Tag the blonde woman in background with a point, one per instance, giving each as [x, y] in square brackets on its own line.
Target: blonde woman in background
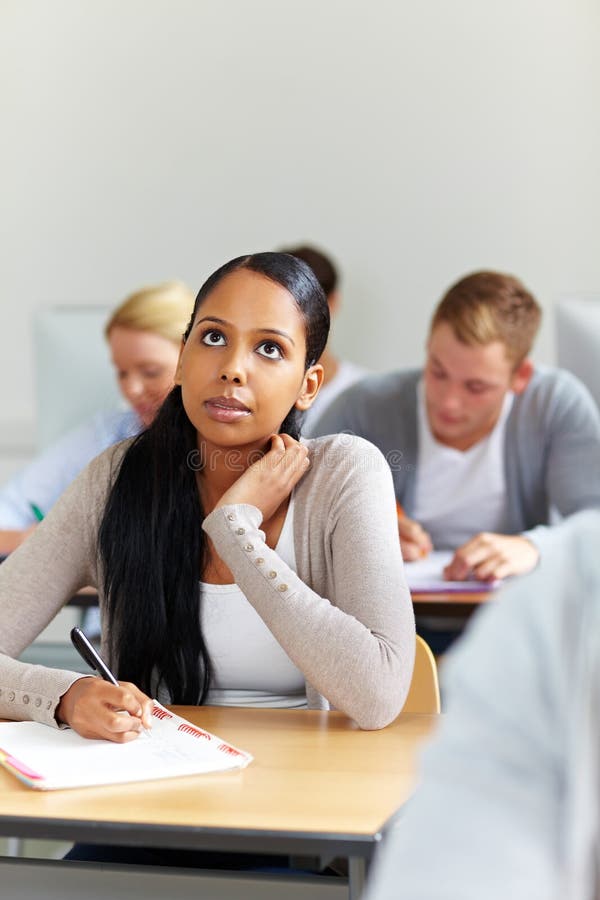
[144, 335]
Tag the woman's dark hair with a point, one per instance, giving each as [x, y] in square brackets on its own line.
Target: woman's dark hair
[151, 544]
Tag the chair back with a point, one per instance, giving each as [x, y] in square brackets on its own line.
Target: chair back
[73, 372]
[577, 319]
[424, 692]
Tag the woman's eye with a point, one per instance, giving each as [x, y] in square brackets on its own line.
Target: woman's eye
[270, 350]
[213, 338]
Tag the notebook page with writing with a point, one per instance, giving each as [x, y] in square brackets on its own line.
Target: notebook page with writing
[426, 576]
[46, 758]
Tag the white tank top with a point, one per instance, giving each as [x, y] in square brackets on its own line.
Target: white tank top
[250, 668]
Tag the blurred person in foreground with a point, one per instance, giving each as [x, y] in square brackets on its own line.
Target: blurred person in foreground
[508, 802]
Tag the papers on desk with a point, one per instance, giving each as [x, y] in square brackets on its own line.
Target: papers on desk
[426, 576]
[47, 758]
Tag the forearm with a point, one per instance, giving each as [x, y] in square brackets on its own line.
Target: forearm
[35, 583]
[31, 692]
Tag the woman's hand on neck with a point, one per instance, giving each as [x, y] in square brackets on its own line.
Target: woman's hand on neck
[265, 483]
[222, 467]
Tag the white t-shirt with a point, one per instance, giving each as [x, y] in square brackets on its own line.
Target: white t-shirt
[460, 492]
[250, 667]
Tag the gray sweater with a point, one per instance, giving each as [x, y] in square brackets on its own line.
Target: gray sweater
[551, 449]
[344, 618]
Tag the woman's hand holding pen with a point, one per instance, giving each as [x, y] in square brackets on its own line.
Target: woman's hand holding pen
[95, 709]
[271, 479]
[414, 540]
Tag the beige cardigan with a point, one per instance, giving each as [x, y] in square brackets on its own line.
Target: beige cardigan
[344, 618]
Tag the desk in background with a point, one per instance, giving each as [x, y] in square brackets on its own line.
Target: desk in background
[318, 786]
[450, 605]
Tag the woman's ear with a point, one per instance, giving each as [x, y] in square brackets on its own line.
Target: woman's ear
[313, 379]
[177, 378]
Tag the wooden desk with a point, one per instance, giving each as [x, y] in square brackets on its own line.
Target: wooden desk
[85, 598]
[451, 604]
[317, 786]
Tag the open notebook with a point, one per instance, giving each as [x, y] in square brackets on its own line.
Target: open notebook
[46, 758]
[426, 576]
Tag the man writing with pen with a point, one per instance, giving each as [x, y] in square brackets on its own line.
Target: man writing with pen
[482, 445]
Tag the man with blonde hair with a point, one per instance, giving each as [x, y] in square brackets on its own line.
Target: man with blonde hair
[482, 444]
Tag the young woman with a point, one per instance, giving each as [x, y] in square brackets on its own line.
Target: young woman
[234, 564]
[144, 336]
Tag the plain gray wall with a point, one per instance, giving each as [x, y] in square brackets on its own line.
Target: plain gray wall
[151, 139]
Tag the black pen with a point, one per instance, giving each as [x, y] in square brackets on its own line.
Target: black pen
[90, 655]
